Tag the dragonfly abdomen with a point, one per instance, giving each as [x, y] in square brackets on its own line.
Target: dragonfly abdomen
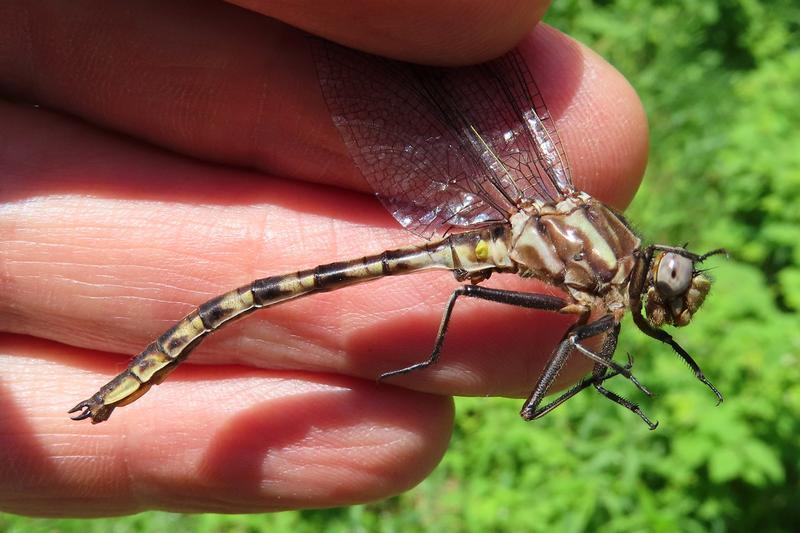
[467, 252]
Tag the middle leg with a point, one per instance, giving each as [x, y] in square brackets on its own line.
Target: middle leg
[519, 299]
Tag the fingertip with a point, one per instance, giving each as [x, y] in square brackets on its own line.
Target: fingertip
[600, 118]
[449, 32]
[611, 147]
[225, 439]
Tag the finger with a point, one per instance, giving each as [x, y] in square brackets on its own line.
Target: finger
[110, 265]
[248, 441]
[449, 32]
[225, 85]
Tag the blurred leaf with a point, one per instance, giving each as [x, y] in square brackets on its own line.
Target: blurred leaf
[725, 465]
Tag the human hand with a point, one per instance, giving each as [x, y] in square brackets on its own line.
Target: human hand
[127, 203]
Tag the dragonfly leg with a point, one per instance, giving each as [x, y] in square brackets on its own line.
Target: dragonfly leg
[599, 375]
[530, 409]
[559, 358]
[616, 398]
[683, 354]
[609, 363]
[666, 338]
[519, 299]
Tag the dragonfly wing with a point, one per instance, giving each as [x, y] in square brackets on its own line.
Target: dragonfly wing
[505, 104]
[444, 148]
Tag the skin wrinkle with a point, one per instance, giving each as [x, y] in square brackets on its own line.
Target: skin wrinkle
[71, 281]
[192, 278]
[339, 463]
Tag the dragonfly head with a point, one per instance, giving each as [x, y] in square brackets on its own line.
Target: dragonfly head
[676, 287]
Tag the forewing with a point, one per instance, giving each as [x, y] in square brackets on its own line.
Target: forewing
[504, 103]
[444, 148]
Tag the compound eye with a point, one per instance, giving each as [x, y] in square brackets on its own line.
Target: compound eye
[674, 274]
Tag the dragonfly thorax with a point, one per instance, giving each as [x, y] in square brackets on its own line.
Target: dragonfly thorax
[577, 244]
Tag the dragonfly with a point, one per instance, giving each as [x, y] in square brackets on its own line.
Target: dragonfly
[469, 160]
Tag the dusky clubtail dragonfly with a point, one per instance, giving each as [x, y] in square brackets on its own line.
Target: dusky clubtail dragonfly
[471, 149]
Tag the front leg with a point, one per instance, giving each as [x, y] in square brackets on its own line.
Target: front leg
[603, 362]
[666, 338]
[599, 375]
[530, 409]
[519, 299]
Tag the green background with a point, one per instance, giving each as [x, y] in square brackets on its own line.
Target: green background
[721, 84]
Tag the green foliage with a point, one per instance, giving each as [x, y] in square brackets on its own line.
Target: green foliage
[720, 83]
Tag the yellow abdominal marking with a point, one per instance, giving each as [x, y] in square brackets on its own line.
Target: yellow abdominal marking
[128, 386]
[150, 364]
[482, 250]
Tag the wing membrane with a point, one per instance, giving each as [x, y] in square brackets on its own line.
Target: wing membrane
[444, 148]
